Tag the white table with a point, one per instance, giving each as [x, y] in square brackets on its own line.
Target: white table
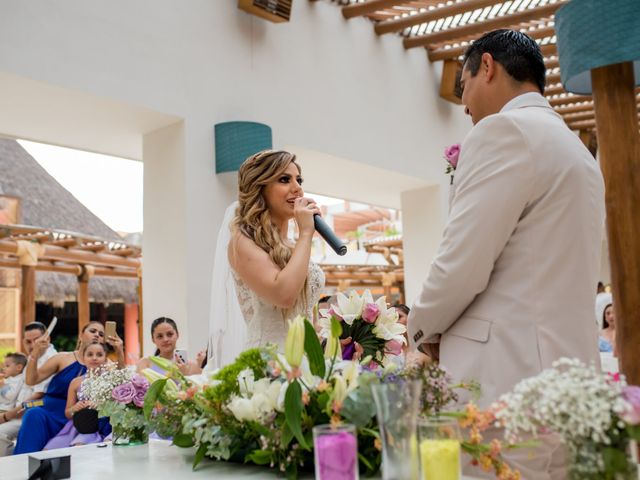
[156, 461]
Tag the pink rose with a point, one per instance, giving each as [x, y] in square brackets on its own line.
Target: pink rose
[124, 393]
[451, 154]
[138, 399]
[393, 347]
[140, 383]
[370, 312]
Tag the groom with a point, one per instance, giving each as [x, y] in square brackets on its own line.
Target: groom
[512, 286]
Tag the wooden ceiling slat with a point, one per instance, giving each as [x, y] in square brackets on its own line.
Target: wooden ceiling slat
[476, 28]
[399, 24]
[551, 62]
[554, 90]
[366, 8]
[553, 78]
[547, 49]
[569, 100]
[574, 108]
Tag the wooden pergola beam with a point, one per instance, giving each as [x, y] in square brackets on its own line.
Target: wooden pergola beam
[469, 30]
[60, 254]
[367, 8]
[72, 269]
[398, 24]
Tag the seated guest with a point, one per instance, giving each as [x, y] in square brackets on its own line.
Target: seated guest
[164, 334]
[606, 318]
[11, 380]
[40, 424]
[11, 420]
[94, 355]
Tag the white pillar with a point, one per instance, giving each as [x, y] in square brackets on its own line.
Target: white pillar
[164, 274]
[422, 225]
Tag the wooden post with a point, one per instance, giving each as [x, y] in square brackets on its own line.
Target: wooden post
[28, 298]
[84, 309]
[619, 147]
[450, 83]
[131, 333]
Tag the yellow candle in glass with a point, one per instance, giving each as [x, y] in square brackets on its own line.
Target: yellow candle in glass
[440, 459]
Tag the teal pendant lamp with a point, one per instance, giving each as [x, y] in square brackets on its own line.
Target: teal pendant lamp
[596, 33]
[235, 141]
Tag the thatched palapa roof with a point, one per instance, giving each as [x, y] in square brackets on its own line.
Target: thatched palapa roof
[47, 204]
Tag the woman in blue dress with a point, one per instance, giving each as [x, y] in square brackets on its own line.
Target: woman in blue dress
[41, 424]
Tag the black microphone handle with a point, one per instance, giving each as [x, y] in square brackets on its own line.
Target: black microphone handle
[325, 232]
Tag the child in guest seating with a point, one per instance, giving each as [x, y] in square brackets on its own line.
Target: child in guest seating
[11, 380]
[94, 356]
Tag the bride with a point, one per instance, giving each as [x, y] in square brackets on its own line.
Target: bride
[270, 279]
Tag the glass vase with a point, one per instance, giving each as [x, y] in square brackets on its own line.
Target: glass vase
[335, 452]
[397, 411]
[439, 448]
[129, 436]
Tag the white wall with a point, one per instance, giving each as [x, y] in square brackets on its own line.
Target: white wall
[320, 82]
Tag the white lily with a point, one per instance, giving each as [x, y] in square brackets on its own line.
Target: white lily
[351, 372]
[294, 343]
[387, 326]
[350, 308]
[246, 382]
[242, 409]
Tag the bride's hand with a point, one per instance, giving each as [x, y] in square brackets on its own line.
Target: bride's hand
[303, 210]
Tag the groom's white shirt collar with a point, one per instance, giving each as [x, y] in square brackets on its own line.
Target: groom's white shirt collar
[529, 99]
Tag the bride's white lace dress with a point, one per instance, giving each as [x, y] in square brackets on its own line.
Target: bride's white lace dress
[265, 322]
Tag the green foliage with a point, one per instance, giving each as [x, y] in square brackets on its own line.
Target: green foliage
[152, 396]
[359, 407]
[313, 349]
[362, 332]
[293, 411]
[4, 351]
[64, 343]
[228, 375]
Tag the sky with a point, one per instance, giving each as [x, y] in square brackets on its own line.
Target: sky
[110, 187]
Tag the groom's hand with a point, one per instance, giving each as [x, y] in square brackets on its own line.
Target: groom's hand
[431, 349]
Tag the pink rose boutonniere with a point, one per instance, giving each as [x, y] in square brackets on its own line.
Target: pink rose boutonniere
[451, 155]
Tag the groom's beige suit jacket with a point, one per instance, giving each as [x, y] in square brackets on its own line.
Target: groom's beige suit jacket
[513, 284]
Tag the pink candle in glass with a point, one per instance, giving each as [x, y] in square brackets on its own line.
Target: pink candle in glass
[336, 453]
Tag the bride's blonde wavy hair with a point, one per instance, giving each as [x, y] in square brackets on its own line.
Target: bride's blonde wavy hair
[253, 218]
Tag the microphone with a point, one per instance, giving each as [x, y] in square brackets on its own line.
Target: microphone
[329, 236]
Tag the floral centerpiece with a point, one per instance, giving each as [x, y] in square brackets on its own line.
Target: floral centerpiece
[119, 394]
[261, 409]
[369, 328]
[596, 415]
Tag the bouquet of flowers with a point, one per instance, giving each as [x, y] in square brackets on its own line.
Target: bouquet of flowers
[597, 415]
[369, 328]
[261, 409]
[119, 394]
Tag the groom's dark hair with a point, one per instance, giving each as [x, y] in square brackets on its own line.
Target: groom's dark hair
[517, 52]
